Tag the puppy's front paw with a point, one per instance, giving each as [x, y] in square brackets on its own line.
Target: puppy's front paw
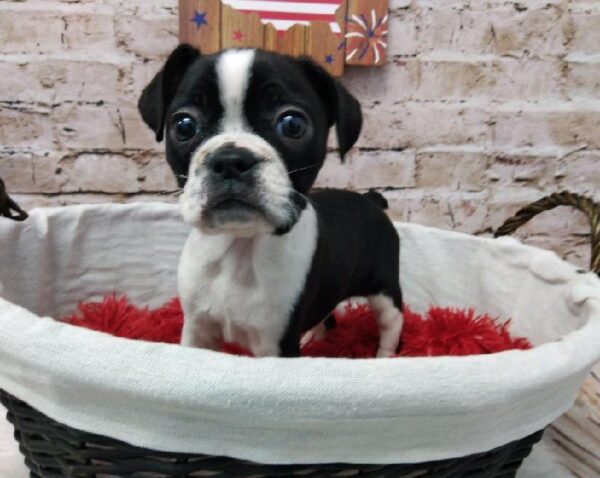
[382, 353]
[201, 335]
[188, 340]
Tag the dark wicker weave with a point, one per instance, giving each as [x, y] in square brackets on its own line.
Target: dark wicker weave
[54, 450]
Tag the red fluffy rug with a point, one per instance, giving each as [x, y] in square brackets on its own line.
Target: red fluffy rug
[443, 331]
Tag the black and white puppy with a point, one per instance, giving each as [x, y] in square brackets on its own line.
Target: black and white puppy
[246, 133]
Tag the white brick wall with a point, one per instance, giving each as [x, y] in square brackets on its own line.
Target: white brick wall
[483, 107]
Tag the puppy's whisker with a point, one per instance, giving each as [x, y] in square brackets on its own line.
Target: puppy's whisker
[303, 196]
[302, 169]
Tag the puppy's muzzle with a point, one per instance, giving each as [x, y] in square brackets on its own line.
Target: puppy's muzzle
[232, 178]
[238, 184]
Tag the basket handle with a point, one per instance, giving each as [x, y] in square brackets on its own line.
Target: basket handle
[8, 207]
[565, 198]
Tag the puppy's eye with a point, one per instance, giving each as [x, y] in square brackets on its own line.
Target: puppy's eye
[291, 125]
[185, 127]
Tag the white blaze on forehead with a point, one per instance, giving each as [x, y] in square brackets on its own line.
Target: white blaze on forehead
[233, 71]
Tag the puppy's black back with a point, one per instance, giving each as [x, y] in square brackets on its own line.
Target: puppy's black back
[357, 242]
[357, 254]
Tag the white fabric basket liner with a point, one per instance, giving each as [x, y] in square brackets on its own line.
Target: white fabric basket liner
[307, 410]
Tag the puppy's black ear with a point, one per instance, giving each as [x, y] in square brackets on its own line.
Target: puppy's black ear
[157, 96]
[342, 108]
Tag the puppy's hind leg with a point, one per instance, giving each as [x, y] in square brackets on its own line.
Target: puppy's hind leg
[390, 320]
[319, 331]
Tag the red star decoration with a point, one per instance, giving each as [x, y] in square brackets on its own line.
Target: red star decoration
[238, 35]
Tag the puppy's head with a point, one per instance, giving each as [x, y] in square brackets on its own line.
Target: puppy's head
[246, 133]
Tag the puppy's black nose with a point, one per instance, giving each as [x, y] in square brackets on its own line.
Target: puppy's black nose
[231, 163]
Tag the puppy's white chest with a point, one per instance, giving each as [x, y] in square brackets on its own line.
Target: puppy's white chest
[246, 286]
[219, 278]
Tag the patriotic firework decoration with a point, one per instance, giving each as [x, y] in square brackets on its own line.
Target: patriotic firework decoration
[366, 38]
[334, 33]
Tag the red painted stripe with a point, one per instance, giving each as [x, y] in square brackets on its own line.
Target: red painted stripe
[335, 2]
[291, 16]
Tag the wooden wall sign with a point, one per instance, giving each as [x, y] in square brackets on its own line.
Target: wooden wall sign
[334, 33]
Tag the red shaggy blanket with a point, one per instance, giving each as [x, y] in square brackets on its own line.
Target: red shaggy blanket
[443, 331]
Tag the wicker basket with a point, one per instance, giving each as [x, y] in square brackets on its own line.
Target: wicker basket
[52, 449]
